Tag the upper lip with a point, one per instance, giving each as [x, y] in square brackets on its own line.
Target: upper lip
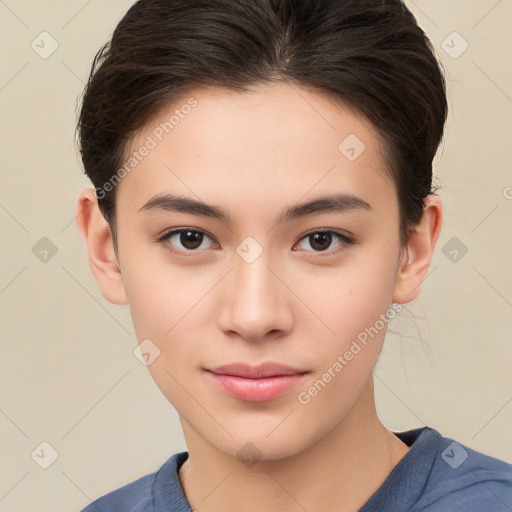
[269, 369]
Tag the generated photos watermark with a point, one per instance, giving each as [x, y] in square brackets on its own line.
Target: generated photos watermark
[357, 345]
[151, 142]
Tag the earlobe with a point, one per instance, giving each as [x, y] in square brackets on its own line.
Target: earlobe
[416, 256]
[97, 237]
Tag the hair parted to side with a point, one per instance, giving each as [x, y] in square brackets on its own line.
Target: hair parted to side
[370, 54]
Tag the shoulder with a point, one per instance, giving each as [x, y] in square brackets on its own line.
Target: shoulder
[137, 496]
[463, 479]
[133, 497]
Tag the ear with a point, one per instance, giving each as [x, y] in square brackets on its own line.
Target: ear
[416, 256]
[97, 236]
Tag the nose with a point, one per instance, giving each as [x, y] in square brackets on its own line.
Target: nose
[255, 302]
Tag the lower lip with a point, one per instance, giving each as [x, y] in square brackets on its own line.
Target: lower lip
[256, 390]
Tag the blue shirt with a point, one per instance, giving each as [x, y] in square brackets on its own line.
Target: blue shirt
[437, 474]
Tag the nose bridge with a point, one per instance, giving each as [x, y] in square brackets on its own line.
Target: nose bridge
[253, 279]
[253, 303]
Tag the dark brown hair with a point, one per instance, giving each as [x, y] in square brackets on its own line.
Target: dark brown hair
[370, 54]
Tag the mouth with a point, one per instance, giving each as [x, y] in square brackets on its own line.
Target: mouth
[256, 383]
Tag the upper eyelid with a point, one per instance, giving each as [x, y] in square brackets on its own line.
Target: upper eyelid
[174, 231]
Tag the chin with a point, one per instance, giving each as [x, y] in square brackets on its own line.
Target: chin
[259, 445]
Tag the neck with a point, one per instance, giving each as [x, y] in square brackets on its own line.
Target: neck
[339, 472]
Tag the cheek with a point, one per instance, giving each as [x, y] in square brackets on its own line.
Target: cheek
[159, 293]
[167, 306]
[353, 295]
[161, 307]
[356, 305]
[354, 301]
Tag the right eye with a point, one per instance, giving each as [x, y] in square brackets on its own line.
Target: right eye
[189, 238]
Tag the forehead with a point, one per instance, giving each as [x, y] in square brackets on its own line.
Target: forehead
[241, 148]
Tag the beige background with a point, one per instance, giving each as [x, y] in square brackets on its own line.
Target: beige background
[68, 373]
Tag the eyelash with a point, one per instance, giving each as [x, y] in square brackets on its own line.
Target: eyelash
[345, 241]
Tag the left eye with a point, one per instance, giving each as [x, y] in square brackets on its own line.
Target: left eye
[321, 240]
[192, 240]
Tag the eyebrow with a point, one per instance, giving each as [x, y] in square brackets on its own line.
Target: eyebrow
[332, 203]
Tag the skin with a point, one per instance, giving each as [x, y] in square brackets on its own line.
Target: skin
[255, 154]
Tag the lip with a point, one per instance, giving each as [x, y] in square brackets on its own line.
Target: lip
[269, 369]
[256, 383]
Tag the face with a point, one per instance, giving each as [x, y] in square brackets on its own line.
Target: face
[257, 285]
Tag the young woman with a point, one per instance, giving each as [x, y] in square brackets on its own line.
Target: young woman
[263, 204]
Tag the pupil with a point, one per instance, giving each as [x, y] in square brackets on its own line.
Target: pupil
[321, 238]
[191, 239]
